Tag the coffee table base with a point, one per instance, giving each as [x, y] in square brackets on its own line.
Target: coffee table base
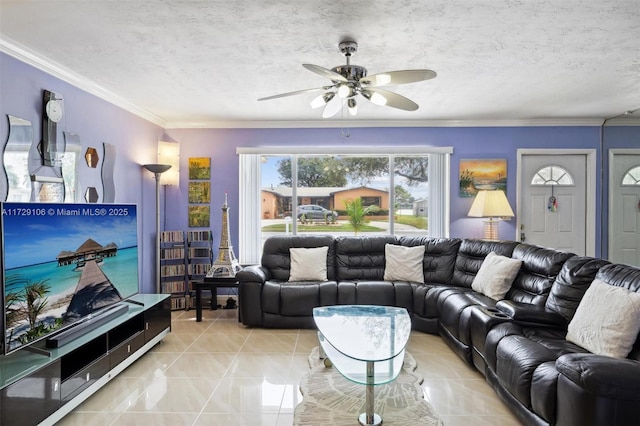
[375, 421]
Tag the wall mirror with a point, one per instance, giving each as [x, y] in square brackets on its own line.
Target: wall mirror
[16, 159]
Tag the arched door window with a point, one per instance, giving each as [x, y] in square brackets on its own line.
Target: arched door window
[632, 177]
[552, 175]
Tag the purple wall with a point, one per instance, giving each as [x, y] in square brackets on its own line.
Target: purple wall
[470, 142]
[96, 122]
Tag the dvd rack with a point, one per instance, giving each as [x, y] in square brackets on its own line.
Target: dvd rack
[199, 256]
[173, 268]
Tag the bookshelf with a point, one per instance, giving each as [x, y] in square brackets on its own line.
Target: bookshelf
[199, 256]
[172, 268]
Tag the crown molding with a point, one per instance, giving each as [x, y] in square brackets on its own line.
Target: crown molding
[544, 122]
[29, 57]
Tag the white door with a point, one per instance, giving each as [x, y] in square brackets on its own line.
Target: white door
[552, 201]
[624, 208]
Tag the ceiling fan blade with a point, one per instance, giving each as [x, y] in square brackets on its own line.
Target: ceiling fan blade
[297, 92]
[324, 72]
[397, 77]
[388, 98]
[333, 107]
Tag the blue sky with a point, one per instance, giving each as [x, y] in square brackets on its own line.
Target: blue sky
[32, 239]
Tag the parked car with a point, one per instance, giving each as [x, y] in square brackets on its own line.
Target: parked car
[314, 212]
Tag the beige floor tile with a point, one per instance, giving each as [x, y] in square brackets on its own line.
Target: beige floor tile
[199, 364]
[463, 397]
[246, 395]
[266, 365]
[77, 418]
[175, 342]
[150, 364]
[270, 343]
[155, 419]
[439, 365]
[422, 342]
[175, 394]
[306, 342]
[116, 396]
[190, 326]
[480, 420]
[238, 419]
[217, 343]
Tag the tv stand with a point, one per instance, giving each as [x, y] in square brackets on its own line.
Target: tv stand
[84, 326]
[42, 390]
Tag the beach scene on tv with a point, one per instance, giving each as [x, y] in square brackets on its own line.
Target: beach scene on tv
[63, 262]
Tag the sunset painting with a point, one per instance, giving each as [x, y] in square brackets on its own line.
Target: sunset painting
[485, 173]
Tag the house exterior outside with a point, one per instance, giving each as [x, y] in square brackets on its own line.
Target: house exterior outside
[277, 201]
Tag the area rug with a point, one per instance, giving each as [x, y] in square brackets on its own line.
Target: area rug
[330, 399]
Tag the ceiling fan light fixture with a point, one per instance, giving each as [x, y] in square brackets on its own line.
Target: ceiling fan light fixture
[322, 100]
[353, 106]
[374, 97]
[345, 91]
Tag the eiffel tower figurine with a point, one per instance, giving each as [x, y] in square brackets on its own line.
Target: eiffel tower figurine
[226, 265]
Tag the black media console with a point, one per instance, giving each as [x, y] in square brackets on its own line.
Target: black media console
[40, 389]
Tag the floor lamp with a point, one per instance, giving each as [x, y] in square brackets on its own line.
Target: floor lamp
[492, 205]
[157, 170]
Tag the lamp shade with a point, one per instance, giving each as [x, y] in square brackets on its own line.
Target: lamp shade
[169, 153]
[490, 204]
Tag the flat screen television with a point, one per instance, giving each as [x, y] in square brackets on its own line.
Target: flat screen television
[62, 263]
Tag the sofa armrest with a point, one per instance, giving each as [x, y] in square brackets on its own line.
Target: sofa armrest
[253, 273]
[251, 280]
[603, 376]
[528, 314]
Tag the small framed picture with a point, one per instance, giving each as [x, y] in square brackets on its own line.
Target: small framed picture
[199, 192]
[199, 168]
[199, 216]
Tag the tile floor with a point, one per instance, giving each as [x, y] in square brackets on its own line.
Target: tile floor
[217, 372]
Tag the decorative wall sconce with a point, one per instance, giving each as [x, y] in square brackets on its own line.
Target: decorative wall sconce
[169, 153]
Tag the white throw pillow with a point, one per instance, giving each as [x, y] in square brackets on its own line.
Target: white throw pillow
[308, 264]
[496, 275]
[607, 320]
[403, 263]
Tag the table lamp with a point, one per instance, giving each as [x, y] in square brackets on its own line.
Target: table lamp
[492, 205]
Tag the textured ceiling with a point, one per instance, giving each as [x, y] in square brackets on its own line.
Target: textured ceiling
[207, 62]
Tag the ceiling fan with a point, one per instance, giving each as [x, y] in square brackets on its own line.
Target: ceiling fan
[349, 81]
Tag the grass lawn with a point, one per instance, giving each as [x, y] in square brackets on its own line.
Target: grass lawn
[321, 227]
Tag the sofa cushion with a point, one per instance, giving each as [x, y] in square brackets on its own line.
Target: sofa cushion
[496, 275]
[607, 320]
[308, 264]
[361, 258]
[439, 256]
[574, 279]
[470, 256]
[403, 263]
[276, 255]
[540, 267]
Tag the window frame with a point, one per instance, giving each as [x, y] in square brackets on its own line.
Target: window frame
[250, 165]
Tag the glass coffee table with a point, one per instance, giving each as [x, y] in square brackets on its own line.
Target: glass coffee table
[366, 345]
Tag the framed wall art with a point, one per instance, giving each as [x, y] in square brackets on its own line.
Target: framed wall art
[200, 168]
[199, 216]
[482, 173]
[199, 192]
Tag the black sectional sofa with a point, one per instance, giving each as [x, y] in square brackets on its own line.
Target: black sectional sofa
[518, 343]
